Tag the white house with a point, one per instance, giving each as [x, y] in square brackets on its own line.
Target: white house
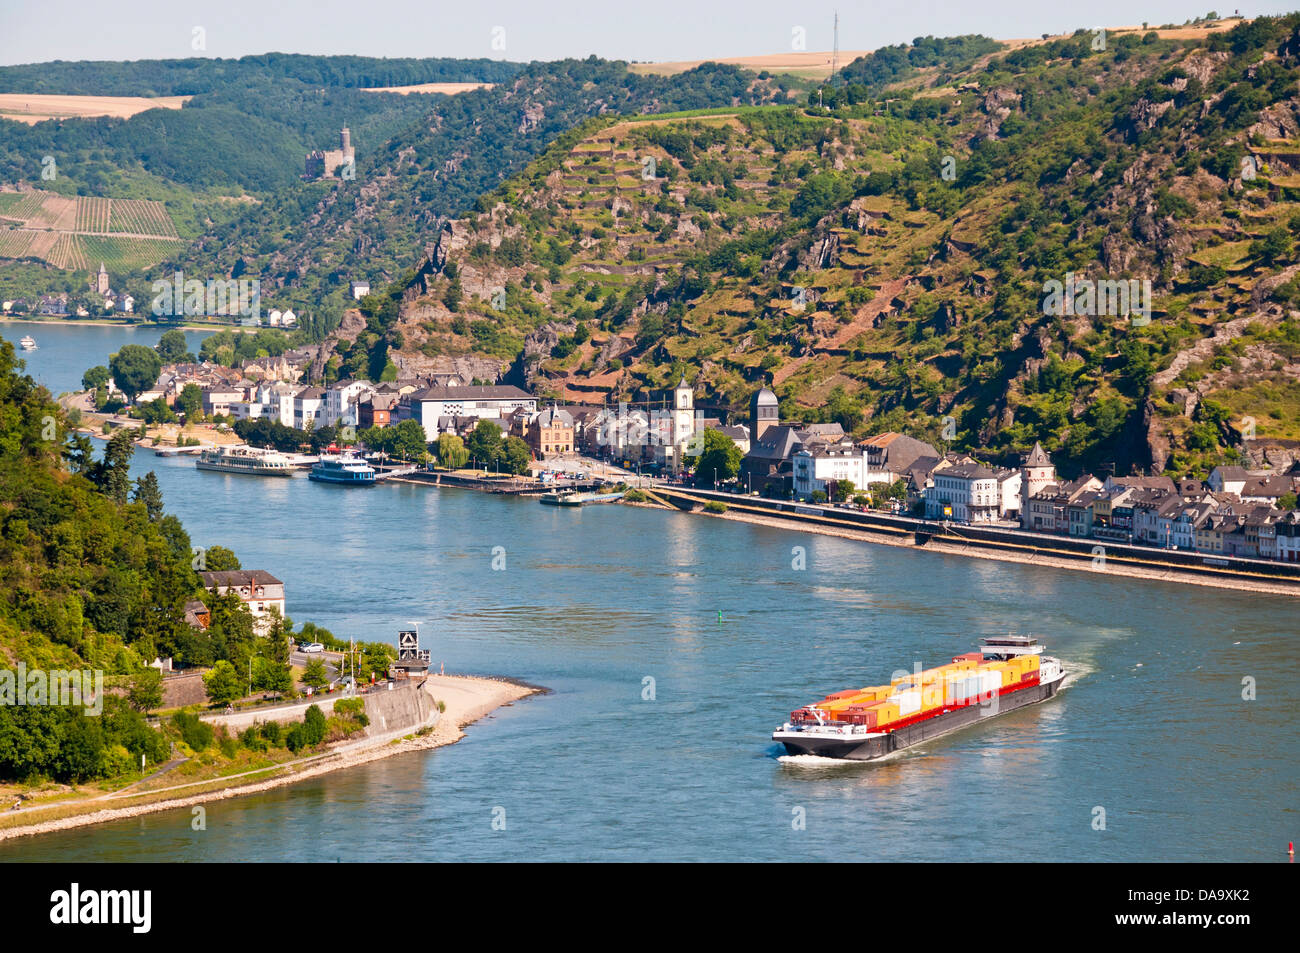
[341, 401]
[967, 493]
[360, 289]
[493, 402]
[260, 592]
[308, 408]
[815, 469]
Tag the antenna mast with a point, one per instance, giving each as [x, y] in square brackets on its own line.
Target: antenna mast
[835, 54]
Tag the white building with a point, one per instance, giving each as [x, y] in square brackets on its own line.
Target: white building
[341, 401]
[816, 469]
[308, 408]
[360, 289]
[967, 493]
[494, 403]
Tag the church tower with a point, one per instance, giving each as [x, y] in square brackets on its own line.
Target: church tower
[1036, 472]
[683, 414]
[101, 280]
[764, 412]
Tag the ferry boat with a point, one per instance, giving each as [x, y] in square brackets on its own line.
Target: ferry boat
[28, 343]
[343, 468]
[863, 724]
[245, 460]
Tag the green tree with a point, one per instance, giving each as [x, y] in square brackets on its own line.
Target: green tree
[314, 675]
[718, 452]
[190, 401]
[485, 444]
[95, 378]
[145, 693]
[223, 684]
[841, 490]
[135, 369]
[409, 440]
[112, 474]
[172, 347]
[451, 451]
[516, 456]
[148, 492]
[219, 559]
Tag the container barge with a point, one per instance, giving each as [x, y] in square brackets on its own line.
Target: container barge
[863, 724]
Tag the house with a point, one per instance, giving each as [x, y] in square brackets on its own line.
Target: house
[260, 592]
[550, 433]
[890, 456]
[738, 433]
[359, 289]
[964, 492]
[217, 398]
[1287, 537]
[493, 402]
[1228, 480]
[1153, 518]
[376, 409]
[815, 469]
[308, 408]
[1009, 483]
[340, 406]
[1037, 473]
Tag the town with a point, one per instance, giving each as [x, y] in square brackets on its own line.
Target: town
[1232, 512]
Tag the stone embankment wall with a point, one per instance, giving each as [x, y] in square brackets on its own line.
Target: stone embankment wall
[406, 707]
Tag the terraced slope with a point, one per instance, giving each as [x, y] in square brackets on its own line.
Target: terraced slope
[886, 262]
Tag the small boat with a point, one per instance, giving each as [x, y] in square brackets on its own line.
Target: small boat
[345, 468]
[251, 460]
[28, 343]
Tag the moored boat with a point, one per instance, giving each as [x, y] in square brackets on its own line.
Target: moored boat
[28, 343]
[240, 459]
[1007, 673]
[345, 468]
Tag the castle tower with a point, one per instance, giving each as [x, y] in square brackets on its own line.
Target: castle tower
[764, 412]
[1036, 472]
[345, 142]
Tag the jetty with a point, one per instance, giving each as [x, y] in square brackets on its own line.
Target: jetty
[578, 499]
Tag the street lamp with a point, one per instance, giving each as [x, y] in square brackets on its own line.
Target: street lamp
[715, 479]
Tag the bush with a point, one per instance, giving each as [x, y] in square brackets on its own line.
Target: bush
[296, 739]
[315, 725]
[272, 733]
[715, 506]
[194, 732]
[635, 496]
[252, 739]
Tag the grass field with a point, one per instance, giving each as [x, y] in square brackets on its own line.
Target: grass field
[33, 108]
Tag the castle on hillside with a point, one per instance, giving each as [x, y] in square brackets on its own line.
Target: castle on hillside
[320, 165]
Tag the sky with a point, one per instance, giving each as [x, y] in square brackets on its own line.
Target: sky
[37, 31]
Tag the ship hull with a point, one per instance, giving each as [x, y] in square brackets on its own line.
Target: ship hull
[876, 746]
[249, 471]
[341, 481]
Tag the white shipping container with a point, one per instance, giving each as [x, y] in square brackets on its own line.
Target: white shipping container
[909, 703]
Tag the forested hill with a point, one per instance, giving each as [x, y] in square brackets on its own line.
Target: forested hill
[306, 243]
[246, 128]
[887, 262]
[93, 572]
[189, 77]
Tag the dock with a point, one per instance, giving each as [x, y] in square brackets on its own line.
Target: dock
[578, 499]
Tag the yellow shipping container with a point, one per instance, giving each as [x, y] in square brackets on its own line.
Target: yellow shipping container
[888, 711]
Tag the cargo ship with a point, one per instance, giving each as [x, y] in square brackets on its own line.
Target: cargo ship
[862, 724]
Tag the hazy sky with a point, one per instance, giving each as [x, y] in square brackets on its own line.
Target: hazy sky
[34, 31]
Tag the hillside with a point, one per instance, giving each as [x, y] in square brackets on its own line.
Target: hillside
[306, 243]
[924, 219]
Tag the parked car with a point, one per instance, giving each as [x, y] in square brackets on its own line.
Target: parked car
[312, 647]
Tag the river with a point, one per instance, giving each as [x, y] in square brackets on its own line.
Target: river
[593, 602]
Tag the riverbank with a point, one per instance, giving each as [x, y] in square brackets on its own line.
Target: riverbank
[123, 323]
[1039, 552]
[465, 699]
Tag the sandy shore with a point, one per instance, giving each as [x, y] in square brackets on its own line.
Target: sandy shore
[466, 698]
